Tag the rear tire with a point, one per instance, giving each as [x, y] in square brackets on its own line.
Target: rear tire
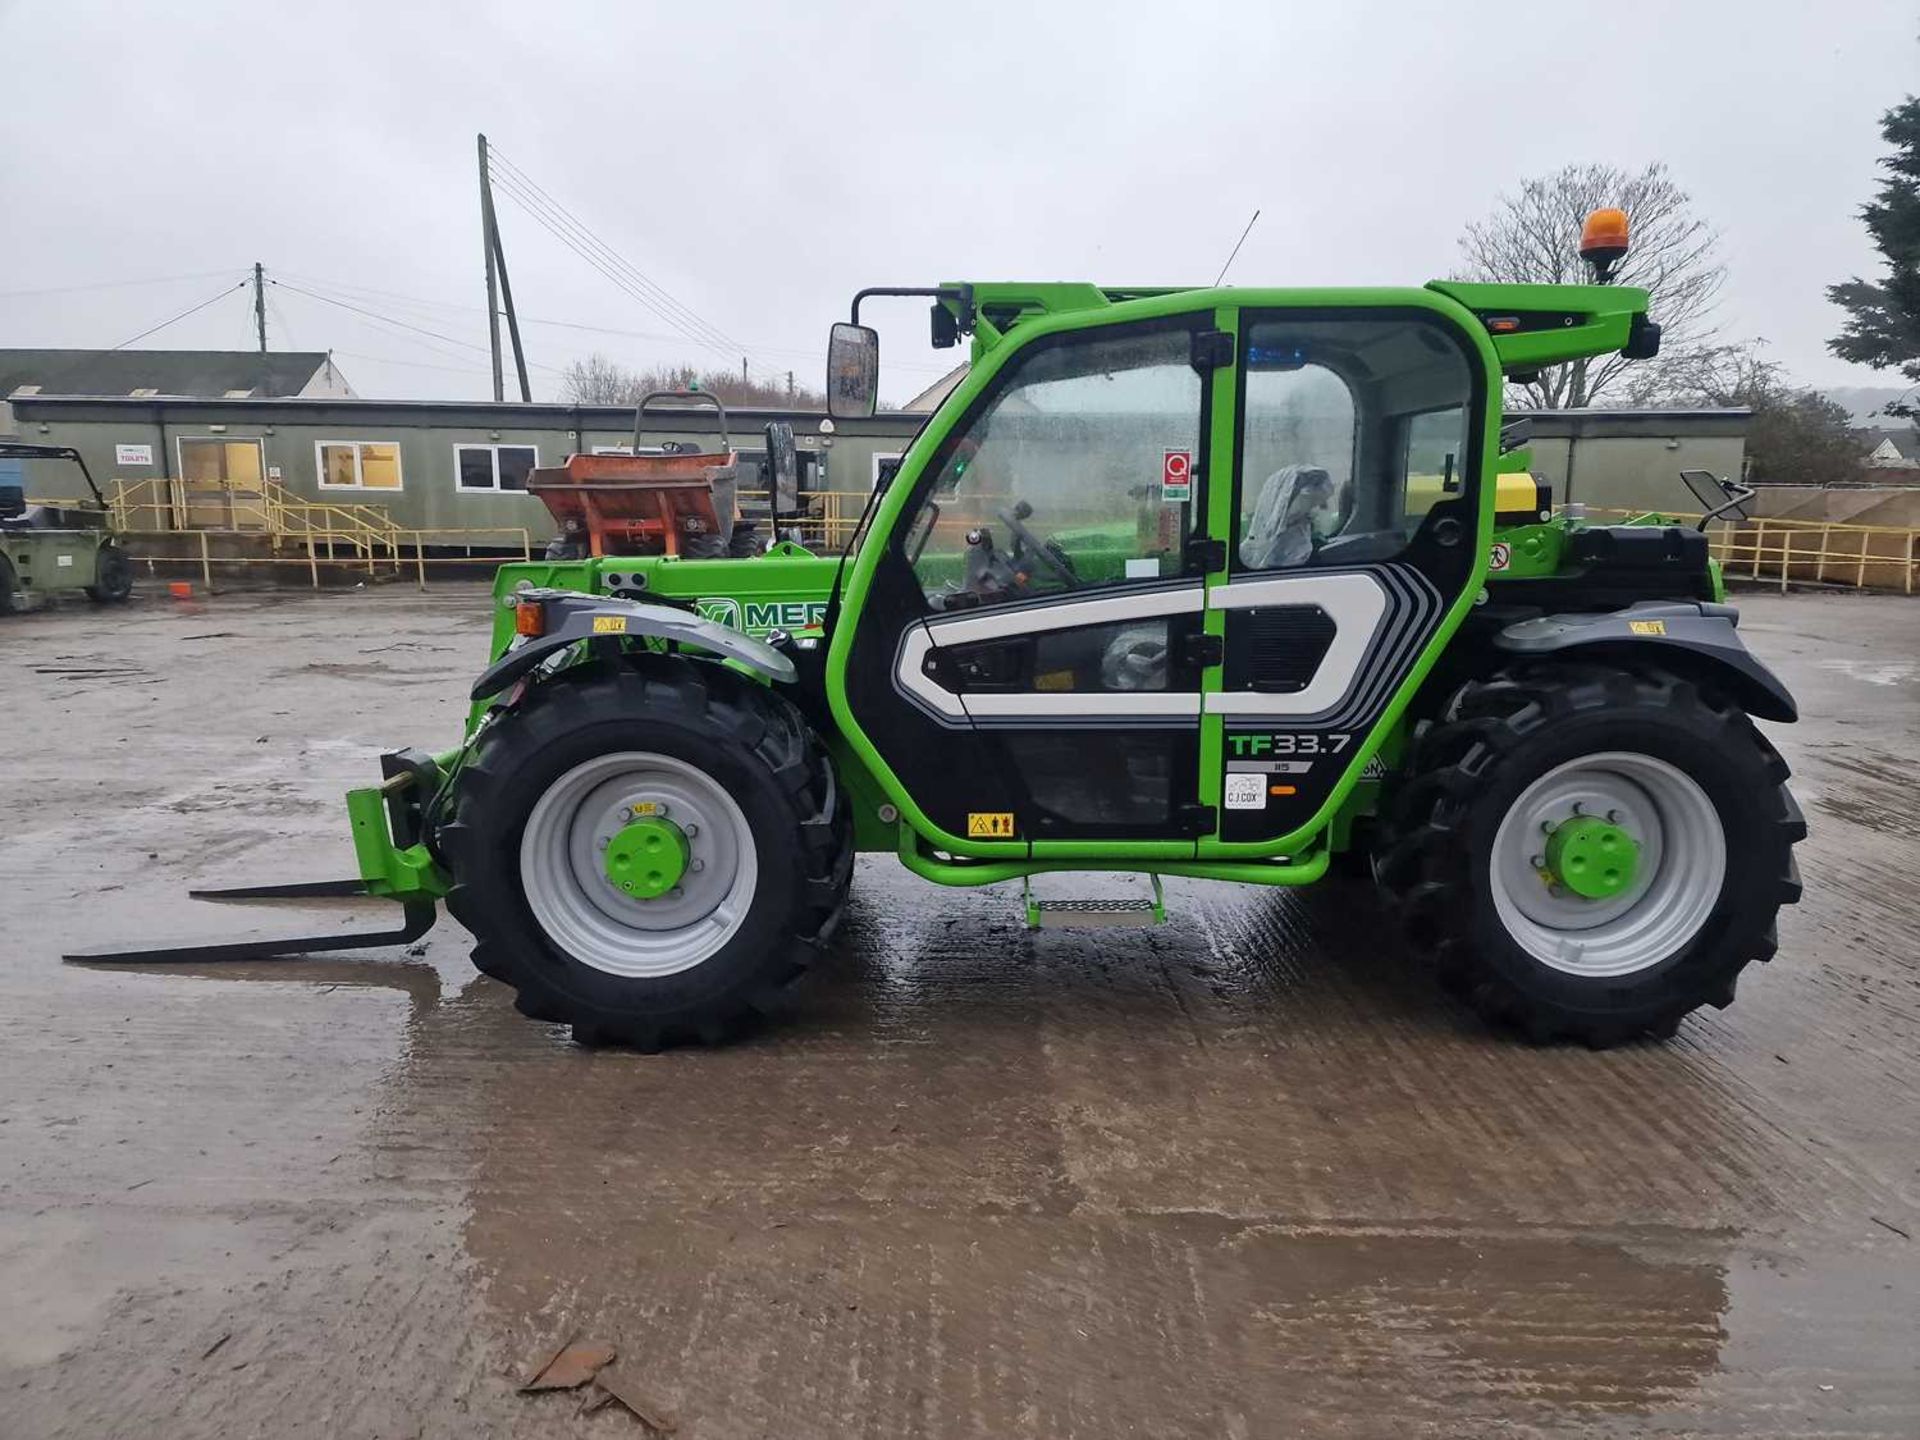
[720, 950]
[9, 595]
[1701, 788]
[112, 577]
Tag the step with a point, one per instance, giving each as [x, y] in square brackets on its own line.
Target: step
[1105, 913]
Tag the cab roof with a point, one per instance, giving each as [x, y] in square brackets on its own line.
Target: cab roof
[1529, 325]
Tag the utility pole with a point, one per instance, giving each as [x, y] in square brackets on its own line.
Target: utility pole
[260, 303]
[499, 287]
[513, 319]
[789, 387]
[743, 372]
[493, 283]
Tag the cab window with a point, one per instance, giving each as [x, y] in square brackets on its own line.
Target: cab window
[1352, 429]
[1069, 476]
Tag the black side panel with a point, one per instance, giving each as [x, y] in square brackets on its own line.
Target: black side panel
[1276, 650]
[949, 771]
[1104, 784]
[1613, 566]
[1297, 768]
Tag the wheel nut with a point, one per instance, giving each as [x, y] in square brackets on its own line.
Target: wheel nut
[690, 830]
[696, 866]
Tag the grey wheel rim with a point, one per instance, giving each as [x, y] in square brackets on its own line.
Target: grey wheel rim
[1683, 863]
[563, 873]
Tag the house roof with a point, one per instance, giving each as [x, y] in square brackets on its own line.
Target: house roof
[928, 400]
[212, 374]
[1905, 439]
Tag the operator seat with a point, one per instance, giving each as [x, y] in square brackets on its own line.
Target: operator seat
[1280, 532]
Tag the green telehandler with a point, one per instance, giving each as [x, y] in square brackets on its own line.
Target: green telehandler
[1229, 584]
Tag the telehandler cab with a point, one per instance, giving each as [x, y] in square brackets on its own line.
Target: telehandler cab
[1231, 584]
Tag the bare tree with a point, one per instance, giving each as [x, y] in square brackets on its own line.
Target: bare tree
[597, 380]
[1533, 236]
[1795, 436]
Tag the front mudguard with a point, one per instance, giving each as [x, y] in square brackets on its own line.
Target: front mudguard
[1693, 637]
[571, 618]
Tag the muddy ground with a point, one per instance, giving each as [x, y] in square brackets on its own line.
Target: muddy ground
[1249, 1174]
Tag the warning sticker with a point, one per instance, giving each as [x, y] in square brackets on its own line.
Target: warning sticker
[1502, 556]
[609, 624]
[990, 825]
[1647, 627]
[1246, 792]
[1374, 769]
[1176, 476]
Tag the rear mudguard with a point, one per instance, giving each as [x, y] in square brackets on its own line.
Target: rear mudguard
[572, 617]
[1691, 636]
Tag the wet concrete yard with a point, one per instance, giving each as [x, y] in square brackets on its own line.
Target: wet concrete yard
[1249, 1174]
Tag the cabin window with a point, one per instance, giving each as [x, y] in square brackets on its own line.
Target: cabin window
[358, 464]
[493, 467]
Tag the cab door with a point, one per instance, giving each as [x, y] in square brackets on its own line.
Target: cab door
[1028, 655]
[1352, 537]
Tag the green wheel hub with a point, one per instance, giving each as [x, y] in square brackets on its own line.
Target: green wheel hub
[647, 858]
[1593, 858]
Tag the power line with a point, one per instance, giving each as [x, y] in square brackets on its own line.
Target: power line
[395, 323]
[151, 329]
[689, 330]
[348, 290]
[673, 305]
[376, 315]
[114, 284]
[414, 364]
[528, 193]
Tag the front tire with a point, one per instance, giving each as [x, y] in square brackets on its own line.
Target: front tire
[1670, 775]
[759, 830]
[112, 577]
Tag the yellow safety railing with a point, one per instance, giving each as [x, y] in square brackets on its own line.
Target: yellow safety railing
[1773, 550]
[317, 531]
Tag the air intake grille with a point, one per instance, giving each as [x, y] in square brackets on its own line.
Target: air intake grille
[1278, 650]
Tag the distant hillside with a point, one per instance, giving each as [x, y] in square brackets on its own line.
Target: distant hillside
[1862, 401]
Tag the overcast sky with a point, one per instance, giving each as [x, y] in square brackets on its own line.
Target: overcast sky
[760, 163]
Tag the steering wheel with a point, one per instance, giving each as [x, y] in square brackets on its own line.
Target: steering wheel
[1028, 544]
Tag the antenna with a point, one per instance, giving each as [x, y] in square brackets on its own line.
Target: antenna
[1236, 249]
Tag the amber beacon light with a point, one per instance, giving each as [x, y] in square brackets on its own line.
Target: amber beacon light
[1603, 241]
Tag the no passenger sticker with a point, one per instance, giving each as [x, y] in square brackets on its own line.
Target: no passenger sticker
[1176, 476]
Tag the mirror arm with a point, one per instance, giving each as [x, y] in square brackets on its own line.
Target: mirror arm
[960, 293]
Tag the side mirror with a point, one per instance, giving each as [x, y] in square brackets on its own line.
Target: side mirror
[783, 469]
[853, 372]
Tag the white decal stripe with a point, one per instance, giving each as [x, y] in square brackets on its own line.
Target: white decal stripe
[1112, 609]
[1355, 602]
[1090, 706]
[919, 640]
